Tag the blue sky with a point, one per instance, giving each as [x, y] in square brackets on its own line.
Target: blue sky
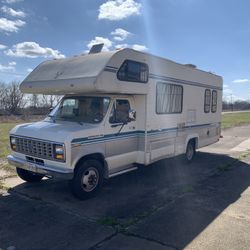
[214, 35]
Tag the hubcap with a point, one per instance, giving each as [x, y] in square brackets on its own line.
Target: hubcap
[90, 179]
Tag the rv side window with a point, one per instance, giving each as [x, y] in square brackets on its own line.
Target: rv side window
[120, 111]
[214, 101]
[133, 71]
[168, 98]
[207, 100]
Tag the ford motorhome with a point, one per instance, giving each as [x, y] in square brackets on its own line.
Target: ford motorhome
[120, 110]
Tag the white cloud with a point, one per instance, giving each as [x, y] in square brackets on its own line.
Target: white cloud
[115, 10]
[120, 34]
[12, 12]
[133, 46]
[241, 81]
[32, 50]
[122, 46]
[11, 1]
[9, 25]
[139, 47]
[7, 68]
[2, 46]
[225, 86]
[29, 70]
[98, 39]
[12, 63]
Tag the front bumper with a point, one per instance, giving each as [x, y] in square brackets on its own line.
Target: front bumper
[52, 171]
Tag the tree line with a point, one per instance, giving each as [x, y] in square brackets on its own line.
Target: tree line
[14, 102]
[236, 105]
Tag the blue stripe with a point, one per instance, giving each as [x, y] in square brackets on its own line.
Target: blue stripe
[125, 135]
[166, 78]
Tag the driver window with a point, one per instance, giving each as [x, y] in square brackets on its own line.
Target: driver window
[120, 111]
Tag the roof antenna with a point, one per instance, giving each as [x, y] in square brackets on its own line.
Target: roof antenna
[96, 48]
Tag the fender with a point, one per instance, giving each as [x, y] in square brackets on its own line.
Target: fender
[192, 136]
[80, 151]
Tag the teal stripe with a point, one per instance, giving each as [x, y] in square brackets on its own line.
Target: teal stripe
[180, 81]
[125, 135]
[172, 79]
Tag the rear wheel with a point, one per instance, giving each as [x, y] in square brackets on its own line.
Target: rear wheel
[87, 180]
[190, 151]
[28, 175]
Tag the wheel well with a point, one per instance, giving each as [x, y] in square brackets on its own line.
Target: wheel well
[96, 156]
[194, 141]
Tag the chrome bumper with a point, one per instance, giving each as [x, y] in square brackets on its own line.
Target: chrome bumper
[66, 174]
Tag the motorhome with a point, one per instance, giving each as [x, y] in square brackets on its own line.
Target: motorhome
[121, 110]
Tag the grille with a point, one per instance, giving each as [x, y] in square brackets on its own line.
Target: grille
[36, 148]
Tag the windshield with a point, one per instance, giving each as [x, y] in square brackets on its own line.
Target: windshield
[81, 109]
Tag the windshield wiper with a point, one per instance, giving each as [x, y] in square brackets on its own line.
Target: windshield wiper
[122, 124]
[80, 123]
[53, 118]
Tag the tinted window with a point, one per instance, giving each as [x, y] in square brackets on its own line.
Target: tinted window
[120, 111]
[214, 101]
[207, 100]
[133, 71]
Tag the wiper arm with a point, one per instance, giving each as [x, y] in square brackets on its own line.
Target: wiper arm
[119, 124]
[80, 123]
[52, 117]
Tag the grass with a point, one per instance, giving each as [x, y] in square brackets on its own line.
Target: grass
[235, 119]
[4, 145]
[4, 135]
[108, 221]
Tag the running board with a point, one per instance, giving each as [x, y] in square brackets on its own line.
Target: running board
[123, 172]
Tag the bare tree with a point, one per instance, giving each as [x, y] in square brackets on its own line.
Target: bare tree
[34, 100]
[2, 93]
[50, 100]
[13, 99]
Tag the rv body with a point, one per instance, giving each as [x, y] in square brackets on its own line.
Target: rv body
[166, 107]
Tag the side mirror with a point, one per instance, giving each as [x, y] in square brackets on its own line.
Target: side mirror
[50, 109]
[132, 115]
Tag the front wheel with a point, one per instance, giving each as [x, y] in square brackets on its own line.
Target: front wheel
[190, 151]
[28, 175]
[87, 180]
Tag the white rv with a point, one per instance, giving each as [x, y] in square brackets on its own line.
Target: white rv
[120, 110]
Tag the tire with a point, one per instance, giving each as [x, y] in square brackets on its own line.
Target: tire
[190, 151]
[88, 179]
[28, 176]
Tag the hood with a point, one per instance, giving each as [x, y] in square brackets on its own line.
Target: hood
[57, 132]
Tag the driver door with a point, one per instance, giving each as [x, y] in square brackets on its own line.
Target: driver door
[122, 142]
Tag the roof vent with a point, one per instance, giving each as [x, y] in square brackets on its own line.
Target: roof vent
[191, 66]
[96, 48]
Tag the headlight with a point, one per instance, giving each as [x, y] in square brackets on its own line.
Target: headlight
[59, 152]
[13, 143]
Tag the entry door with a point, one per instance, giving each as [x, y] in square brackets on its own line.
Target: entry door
[122, 138]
